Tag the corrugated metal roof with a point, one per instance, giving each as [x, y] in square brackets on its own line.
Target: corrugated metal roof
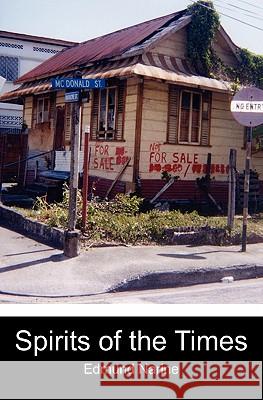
[100, 48]
[155, 66]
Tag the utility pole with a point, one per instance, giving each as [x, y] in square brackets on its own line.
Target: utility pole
[71, 245]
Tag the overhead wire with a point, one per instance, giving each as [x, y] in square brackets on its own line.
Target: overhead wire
[228, 16]
[239, 8]
[231, 9]
[250, 4]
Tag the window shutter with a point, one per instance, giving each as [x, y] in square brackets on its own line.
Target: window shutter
[173, 103]
[206, 116]
[94, 114]
[68, 122]
[120, 110]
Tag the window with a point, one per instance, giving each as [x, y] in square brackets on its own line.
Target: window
[9, 68]
[107, 113]
[189, 114]
[43, 105]
[190, 118]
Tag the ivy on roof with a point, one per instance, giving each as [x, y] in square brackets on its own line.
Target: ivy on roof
[201, 33]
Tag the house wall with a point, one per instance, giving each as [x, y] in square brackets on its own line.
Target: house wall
[174, 46]
[107, 158]
[40, 140]
[188, 161]
[223, 51]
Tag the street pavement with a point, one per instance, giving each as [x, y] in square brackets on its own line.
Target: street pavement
[33, 269]
[240, 292]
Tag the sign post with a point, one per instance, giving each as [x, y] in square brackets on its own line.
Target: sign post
[73, 87]
[71, 246]
[85, 180]
[247, 109]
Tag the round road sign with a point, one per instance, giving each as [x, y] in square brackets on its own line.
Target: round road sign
[247, 107]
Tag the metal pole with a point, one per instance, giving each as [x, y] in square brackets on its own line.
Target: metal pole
[246, 188]
[71, 247]
[85, 182]
[232, 189]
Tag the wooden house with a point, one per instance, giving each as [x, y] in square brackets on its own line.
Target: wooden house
[157, 117]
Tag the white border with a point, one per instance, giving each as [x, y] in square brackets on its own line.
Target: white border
[132, 310]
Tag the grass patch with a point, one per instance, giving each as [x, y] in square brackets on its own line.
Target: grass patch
[120, 221]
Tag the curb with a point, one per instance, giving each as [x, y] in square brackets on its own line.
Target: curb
[190, 277]
[171, 279]
[43, 233]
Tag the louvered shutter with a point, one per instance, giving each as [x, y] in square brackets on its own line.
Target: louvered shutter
[68, 123]
[206, 115]
[94, 114]
[172, 126]
[120, 110]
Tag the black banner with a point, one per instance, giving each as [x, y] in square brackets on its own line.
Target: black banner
[151, 338]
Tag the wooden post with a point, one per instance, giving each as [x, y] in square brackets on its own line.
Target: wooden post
[85, 182]
[246, 188]
[231, 189]
[71, 247]
[208, 168]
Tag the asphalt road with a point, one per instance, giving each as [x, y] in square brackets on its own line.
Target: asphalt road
[240, 292]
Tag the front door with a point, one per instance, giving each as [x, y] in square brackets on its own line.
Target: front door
[59, 140]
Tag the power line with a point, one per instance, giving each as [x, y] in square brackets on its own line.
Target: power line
[240, 8]
[250, 4]
[235, 19]
[231, 9]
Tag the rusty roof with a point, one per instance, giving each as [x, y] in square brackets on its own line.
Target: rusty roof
[101, 48]
[37, 39]
[154, 66]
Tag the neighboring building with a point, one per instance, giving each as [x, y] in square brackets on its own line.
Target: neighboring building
[20, 53]
[157, 112]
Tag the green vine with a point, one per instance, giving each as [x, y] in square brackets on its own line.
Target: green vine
[201, 32]
[200, 35]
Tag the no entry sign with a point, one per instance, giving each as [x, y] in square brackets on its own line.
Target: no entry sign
[247, 107]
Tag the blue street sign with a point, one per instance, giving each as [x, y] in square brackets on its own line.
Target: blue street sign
[71, 97]
[77, 83]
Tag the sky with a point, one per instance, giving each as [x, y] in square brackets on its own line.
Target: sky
[79, 20]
